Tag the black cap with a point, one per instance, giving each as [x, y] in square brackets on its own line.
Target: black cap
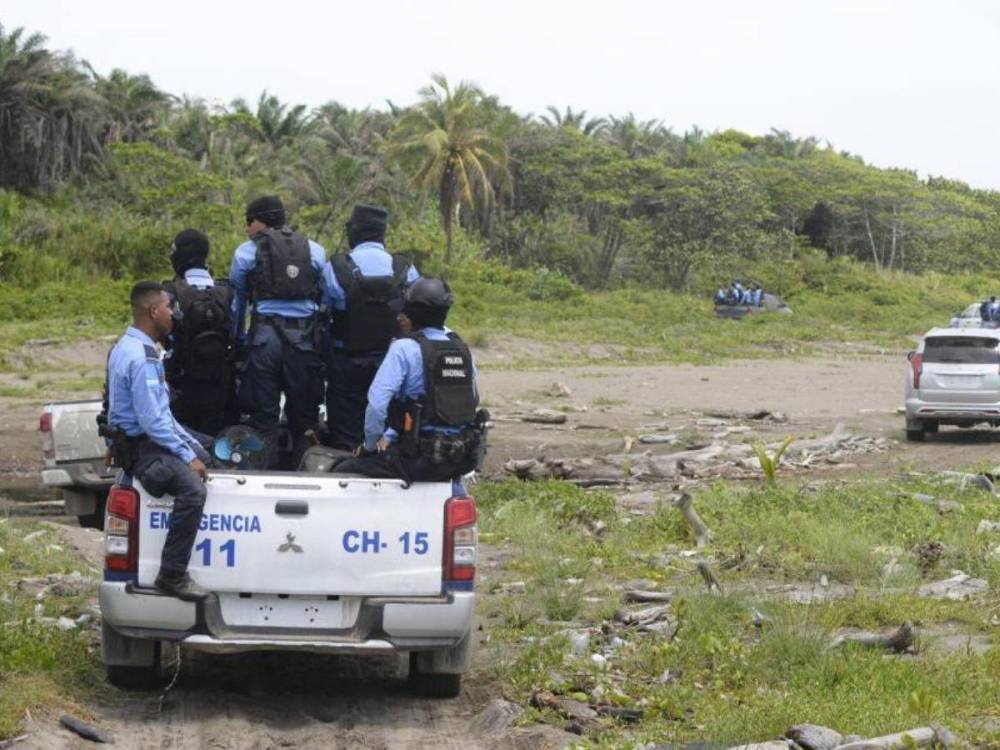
[268, 209]
[367, 224]
[190, 250]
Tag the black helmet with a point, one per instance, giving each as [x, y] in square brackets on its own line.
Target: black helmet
[429, 292]
[427, 302]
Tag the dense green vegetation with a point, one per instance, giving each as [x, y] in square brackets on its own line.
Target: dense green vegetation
[97, 172]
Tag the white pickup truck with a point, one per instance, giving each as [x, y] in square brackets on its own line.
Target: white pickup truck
[74, 459]
[321, 563]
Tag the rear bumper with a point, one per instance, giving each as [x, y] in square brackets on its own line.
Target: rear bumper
[383, 624]
[78, 475]
[917, 409]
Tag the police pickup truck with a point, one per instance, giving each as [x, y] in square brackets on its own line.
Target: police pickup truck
[74, 459]
[324, 563]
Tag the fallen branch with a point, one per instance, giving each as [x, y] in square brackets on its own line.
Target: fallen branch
[642, 616]
[897, 642]
[12, 741]
[920, 737]
[709, 575]
[702, 534]
[638, 595]
[576, 711]
[85, 730]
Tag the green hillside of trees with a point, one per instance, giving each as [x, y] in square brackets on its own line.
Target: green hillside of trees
[98, 172]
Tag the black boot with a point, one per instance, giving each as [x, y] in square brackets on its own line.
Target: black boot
[181, 587]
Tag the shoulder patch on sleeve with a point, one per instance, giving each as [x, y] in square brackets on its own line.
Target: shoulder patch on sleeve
[151, 352]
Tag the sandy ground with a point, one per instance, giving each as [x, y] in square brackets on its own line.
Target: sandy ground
[263, 701]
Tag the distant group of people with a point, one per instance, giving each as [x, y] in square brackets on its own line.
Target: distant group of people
[738, 294]
[364, 329]
[989, 310]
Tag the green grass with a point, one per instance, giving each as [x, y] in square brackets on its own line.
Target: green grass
[833, 301]
[41, 666]
[730, 681]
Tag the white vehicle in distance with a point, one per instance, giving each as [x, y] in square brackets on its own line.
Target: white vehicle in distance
[968, 318]
[954, 379]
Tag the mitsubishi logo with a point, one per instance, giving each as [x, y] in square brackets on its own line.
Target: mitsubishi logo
[290, 544]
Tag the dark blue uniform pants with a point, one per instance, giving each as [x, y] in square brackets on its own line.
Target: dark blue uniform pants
[391, 465]
[348, 380]
[283, 360]
[162, 473]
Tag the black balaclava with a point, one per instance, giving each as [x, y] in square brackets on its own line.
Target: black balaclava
[268, 209]
[367, 224]
[424, 316]
[190, 250]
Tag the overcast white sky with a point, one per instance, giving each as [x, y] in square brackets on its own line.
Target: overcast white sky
[911, 84]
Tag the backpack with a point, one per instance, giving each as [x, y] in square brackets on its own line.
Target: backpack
[202, 333]
[373, 302]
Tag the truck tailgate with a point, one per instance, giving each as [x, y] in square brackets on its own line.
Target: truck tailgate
[304, 534]
[74, 430]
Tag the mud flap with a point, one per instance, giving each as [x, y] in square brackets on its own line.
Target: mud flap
[454, 660]
[122, 651]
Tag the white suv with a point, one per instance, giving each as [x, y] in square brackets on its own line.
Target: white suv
[954, 378]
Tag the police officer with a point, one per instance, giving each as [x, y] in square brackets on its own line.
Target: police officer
[198, 362]
[365, 296]
[278, 275]
[421, 423]
[148, 442]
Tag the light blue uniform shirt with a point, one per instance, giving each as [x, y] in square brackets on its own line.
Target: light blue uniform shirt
[244, 261]
[401, 375]
[372, 259]
[138, 397]
[199, 278]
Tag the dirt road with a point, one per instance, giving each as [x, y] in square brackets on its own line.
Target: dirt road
[276, 701]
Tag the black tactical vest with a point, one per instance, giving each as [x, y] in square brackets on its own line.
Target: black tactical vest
[283, 268]
[450, 398]
[373, 302]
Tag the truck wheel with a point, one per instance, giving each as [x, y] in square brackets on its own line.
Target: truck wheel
[915, 436]
[931, 428]
[95, 520]
[434, 685]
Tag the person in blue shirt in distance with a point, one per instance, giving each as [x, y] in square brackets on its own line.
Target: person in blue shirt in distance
[165, 457]
[283, 344]
[364, 291]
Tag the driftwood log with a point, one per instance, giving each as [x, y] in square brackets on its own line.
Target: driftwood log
[709, 576]
[639, 595]
[897, 642]
[919, 737]
[702, 534]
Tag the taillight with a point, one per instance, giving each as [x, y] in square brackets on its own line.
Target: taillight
[121, 530]
[917, 363]
[48, 441]
[459, 562]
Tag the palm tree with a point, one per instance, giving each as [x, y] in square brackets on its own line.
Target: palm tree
[783, 143]
[278, 123]
[574, 121]
[50, 118]
[635, 137]
[135, 104]
[449, 142]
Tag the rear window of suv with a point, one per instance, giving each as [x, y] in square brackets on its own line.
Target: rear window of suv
[966, 350]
